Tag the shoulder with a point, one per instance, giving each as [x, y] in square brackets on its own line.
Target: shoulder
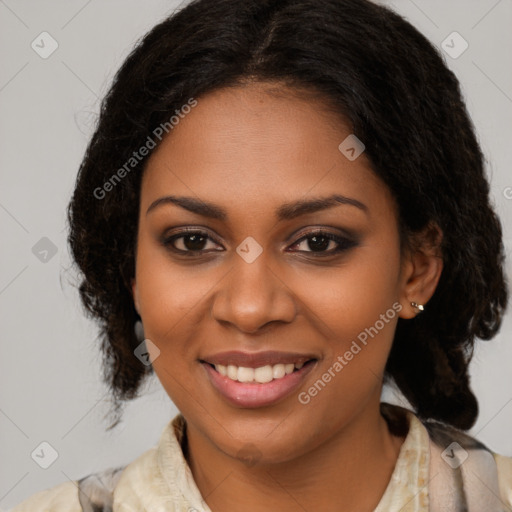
[97, 492]
[486, 475]
[505, 477]
[467, 473]
[61, 498]
[91, 493]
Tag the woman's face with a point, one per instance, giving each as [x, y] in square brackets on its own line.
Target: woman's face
[256, 291]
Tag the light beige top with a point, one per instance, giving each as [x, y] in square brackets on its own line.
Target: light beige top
[160, 480]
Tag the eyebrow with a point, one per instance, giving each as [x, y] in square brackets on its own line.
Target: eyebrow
[286, 211]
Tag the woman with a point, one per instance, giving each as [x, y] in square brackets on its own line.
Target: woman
[282, 208]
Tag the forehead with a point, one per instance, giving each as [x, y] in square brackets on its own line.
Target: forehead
[254, 146]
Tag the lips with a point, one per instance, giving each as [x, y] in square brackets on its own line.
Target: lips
[258, 379]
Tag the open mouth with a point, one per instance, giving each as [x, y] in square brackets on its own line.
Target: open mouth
[259, 379]
[261, 374]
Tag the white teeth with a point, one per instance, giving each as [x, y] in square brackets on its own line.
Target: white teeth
[288, 368]
[262, 374]
[245, 374]
[233, 372]
[278, 371]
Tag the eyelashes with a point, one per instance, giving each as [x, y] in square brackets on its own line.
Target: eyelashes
[194, 242]
[322, 239]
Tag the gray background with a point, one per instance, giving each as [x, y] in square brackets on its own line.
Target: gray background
[50, 366]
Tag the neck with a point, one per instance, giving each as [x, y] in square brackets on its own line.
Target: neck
[352, 467]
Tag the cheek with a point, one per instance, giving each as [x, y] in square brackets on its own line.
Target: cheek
[166, 296]
[169, 297]
[348, 298]
[167, 292]
[357, 311]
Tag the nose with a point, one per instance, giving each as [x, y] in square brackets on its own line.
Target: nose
[253, 295]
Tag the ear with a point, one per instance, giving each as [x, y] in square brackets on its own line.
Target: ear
[135, 295]
[421, 269]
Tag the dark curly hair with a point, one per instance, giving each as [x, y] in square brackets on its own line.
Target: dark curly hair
[392, 87]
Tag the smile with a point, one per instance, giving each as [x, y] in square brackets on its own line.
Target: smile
[257, 380]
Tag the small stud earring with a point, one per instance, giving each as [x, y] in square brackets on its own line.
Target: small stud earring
[418, 307]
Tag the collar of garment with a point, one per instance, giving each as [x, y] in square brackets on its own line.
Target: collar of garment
[161, 479]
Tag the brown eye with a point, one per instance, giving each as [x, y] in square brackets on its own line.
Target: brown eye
[193, 242]
[188, 242]
[319, 241]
